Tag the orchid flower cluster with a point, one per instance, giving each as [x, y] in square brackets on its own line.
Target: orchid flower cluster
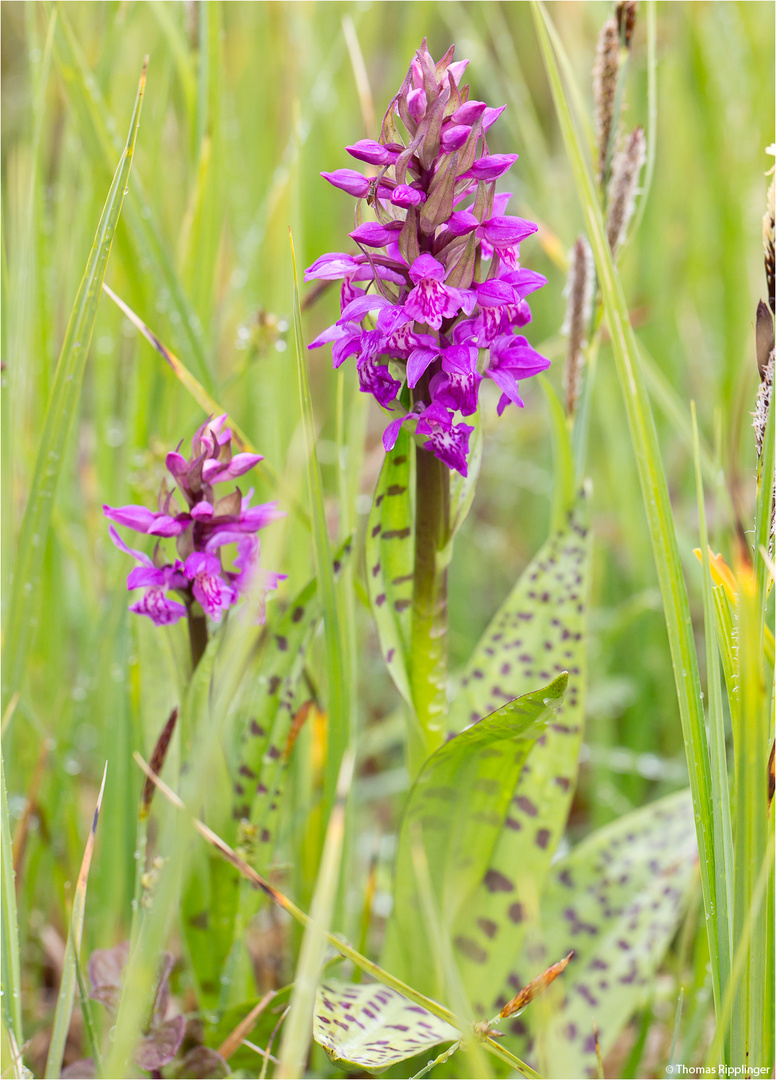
[440, 263]
[201, 531]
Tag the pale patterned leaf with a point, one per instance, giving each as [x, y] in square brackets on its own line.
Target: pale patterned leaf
[616, 900]
[369, 1026]
[269, 708]
[459, 804]
[389, 560]
[539, 632]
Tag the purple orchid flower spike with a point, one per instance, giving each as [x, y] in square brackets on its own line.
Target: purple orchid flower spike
[432, 299]
[202, 530]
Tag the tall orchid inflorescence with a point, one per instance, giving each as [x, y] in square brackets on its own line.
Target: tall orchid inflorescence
[440, 263]
[201, 531]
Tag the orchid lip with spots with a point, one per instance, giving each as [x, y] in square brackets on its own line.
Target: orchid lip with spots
[206, 526]
[443, 287]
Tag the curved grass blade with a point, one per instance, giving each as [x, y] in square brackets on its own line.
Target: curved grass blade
[654, 487]
[145, 232]
[539, 631]
[69, 977]
[368, 1026]
[341, 719]
[723, 831]
[459, 804]
[616, 900]
[60, 416]
[298, 1029]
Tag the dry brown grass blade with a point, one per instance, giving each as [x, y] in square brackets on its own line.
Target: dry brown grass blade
[236, 1037]
[535, 987]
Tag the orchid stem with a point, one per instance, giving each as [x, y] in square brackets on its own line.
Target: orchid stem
[428, 652]
[197, 636]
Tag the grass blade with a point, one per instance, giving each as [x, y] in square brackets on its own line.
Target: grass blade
[12, 1001]
[69, 977]
[654, 490]
[298, 1030]
[60, 415]
[723, 831]
[340, 730]
[145, 231]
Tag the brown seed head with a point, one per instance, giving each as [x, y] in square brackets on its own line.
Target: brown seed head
[605, 70]
[579, 302]
[626, 169]
[626, 20]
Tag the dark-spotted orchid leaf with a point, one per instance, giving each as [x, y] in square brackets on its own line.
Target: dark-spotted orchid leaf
[389, 560]
[616, 900]
[539, 632]
[269, 709]
[214, 898]
[457, 809]
[369, 1026]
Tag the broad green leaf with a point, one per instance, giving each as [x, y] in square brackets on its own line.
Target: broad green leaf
[616, 900]
[389, 560]
[538, 632]
[61, 411]
[457, 809]
[369, 1026]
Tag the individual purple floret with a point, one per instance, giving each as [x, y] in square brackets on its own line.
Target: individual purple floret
[201, 530]
[434, 295]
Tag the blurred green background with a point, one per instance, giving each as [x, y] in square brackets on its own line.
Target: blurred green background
[245, 104]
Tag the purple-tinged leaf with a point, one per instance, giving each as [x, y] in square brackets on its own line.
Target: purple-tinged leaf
[159, 1047]
[201, 1063]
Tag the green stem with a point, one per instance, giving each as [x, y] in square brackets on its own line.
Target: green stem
[197, 636]
[428, 647]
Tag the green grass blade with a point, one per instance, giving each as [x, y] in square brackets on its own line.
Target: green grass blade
[60, 416]
[563, 492]
[720, 793]
[298, 1030]
[145, 231]
[68, 984]
[12, 984]
[340, 726]
[654, 490]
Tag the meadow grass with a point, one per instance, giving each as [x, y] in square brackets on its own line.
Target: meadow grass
[244, 105]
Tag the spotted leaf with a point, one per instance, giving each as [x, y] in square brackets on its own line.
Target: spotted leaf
[457, 809]
[616, 900]
[389, 559]
[369, 1026]
[269, 709]
[539, 632]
